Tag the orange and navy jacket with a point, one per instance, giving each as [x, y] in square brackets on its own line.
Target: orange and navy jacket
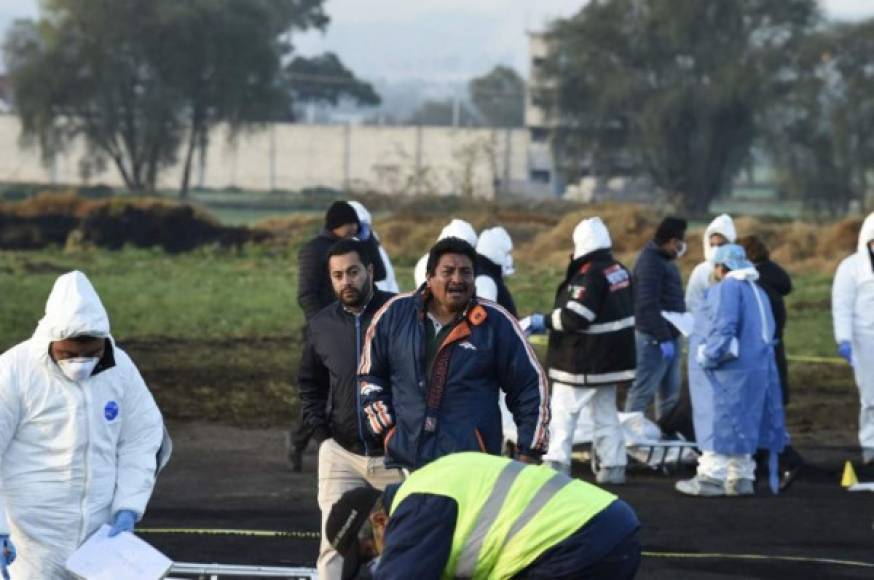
[455, 409]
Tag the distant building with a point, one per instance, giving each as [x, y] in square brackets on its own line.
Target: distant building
[545, 158]
[543, 175]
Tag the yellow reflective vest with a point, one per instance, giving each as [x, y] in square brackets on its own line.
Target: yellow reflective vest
[509, 513]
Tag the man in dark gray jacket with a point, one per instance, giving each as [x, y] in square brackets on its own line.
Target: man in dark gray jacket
[658, 289]
[314, 292]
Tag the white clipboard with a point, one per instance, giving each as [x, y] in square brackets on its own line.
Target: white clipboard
[123, 557]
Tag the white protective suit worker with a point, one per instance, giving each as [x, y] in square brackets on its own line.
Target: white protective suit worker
[455, 229]
[365, 231]
[853, 316]
[496, 246]
[79, 434]
[721, 231]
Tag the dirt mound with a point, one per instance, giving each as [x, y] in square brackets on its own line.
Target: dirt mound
[797, 245]
[291, 230]
[147, 222]
[630, 226]
[57, 219]
[43, 220]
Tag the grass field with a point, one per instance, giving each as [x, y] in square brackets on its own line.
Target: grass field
[217, 333]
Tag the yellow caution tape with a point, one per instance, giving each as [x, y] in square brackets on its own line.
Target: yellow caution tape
[758, 557]
[819, 360]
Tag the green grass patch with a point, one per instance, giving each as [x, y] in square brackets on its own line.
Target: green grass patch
[207, 294]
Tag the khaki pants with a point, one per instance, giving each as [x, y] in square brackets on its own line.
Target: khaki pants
[339, 471]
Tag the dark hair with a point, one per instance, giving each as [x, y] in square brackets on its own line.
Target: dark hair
[348, 246]
[449, 246]
[85, 338]
[670, 228]
[340, 213]
[757, 251]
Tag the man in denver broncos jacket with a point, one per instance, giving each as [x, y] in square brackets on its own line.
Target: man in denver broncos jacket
[591, 350]
[432, 365]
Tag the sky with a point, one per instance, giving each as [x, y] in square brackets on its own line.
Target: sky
[439, 41]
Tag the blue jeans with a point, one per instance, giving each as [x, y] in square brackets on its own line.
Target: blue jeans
[656, 378]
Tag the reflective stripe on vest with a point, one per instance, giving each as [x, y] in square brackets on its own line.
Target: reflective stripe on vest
[470, 553]
[508, 513]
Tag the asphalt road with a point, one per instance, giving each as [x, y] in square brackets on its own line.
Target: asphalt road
[224, 477]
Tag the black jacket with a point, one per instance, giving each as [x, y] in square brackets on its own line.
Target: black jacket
[372, 246]
[591, 339]
[314, 290]
[485, 267]
[327, 376]
[657, 287]
[776, 283]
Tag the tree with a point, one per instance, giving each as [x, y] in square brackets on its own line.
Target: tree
[668, 88]
[821, 136]
[443, 113]
[499, 96]
[85, 70]
[324, 79]
[138, 78]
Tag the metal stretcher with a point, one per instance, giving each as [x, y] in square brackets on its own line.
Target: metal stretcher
[190, 571]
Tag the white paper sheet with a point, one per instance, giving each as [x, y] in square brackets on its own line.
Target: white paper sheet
[682, 321]
[124, 557]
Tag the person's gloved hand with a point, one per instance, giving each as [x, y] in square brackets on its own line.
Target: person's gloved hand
[668, 350]
[845, 349]
[534, 324]
[123, 522]
[7, 556]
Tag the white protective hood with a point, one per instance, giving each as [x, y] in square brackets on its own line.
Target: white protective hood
[362, 213]
[722, 225]
[591, 235]
[455, 229]
[459, 229]
[389, 284]
[866, 234]
[73, 309]
[496, 245]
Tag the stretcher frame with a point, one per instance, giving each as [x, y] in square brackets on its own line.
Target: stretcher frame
[196, 571]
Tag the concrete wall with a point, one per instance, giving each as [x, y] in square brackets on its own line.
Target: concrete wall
[394, 160]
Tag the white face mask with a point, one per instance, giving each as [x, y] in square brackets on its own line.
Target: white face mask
[78, 369]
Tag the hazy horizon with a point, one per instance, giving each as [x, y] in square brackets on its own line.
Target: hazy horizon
[440, 42]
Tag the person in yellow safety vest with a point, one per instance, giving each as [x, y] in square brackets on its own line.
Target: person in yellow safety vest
[473, 515]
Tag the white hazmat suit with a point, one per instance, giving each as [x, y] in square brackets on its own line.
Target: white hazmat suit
[496, 245]
[390, 283]
[701, 278]
[73, 453]
[853, 317]
[455, 229]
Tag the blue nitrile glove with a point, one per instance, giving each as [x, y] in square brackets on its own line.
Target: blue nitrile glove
[363, 232]
[123, 522]
[537, 324]
[845, 349]
[668, 349]
[7, 554]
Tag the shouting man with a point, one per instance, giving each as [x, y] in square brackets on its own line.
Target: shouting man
[434, 362]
